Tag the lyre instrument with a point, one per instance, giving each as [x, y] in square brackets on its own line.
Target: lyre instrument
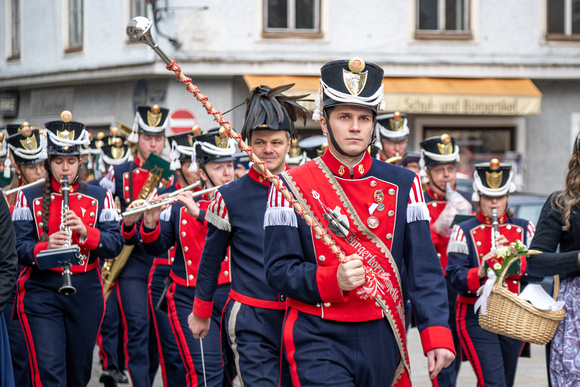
[112, 269]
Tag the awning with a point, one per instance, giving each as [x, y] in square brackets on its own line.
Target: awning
[487, 96]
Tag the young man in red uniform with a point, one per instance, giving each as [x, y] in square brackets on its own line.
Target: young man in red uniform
[183, 225]
[335, 332]
[126, 182]
[440, 155]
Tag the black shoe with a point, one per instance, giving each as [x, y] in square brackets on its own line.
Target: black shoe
[123, 379]
[109, 378]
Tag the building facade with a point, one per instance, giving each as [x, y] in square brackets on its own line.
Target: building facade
[502, 77]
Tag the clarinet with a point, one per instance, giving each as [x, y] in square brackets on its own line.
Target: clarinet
[66, 288]
[494, 228]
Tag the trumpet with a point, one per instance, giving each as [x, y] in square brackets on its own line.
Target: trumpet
[169, 200]
[11, 191]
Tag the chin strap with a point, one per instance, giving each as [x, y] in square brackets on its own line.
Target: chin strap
[335, 144]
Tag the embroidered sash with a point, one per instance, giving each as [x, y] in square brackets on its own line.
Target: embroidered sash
[316, 180]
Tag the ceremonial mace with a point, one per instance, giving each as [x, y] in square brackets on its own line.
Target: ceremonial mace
[139, 30]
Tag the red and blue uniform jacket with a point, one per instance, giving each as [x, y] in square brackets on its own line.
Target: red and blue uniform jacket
[235, 218]
[299, 266]
[177, 227]
[94, 205]
[471, 240]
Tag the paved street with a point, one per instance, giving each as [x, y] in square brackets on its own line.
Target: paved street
[531, 371]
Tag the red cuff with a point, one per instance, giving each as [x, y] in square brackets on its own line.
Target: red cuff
[128, 235]
[473, 282]
[437, 337]
[41, 246]
[202, 309]
[93, 237]
[328, 285]
[149, 237]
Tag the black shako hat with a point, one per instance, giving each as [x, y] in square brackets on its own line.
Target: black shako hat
[439, 150]
[26, 143]
[213, 146]
[350, 82]
[150, 120]
[65, 137]
[392, 126]
[492, 179]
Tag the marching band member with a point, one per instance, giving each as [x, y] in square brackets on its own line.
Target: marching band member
[492, 356]
[254, 314]
[108, 151]
[184, 223]
[440, 156]
[27, 147]
[334, 332]
[172, 369]
[126, 181]
[392, 132]
[61, 330]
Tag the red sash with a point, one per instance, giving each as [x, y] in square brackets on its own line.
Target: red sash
[315, 184]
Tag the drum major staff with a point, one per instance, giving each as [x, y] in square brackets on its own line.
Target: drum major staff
[61, 330]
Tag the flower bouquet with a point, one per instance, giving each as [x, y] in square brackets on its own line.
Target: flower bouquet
[504, 257]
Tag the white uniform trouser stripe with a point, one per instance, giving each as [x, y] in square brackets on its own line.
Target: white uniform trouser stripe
[232, 335]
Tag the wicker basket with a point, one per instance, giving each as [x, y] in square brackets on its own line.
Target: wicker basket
[508, 315]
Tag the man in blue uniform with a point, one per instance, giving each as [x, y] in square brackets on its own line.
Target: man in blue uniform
[336, 332]
[253, 317]
[127, 181]
[440, 156]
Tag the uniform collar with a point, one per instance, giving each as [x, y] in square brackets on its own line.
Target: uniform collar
[435, 196]
[138, 161]
[257, 176]
[487, 219]
[340, 169]
[57, 187]
[178, 186]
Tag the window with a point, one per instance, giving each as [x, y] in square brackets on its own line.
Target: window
[15, 36]
[443, 19]
[75, 25]
[563, 19]
[292, 18]
[138, 8]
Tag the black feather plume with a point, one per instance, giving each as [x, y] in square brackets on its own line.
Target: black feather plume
[268, 106]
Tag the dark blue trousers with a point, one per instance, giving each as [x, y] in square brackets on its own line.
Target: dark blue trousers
[17, 344]
[133, 302]
[180, 305]
[335, 353]
[6, 374]
[255, 337]
[172, 369]
[110, 338]
[494, 358]
[448, 376]
[60, 331]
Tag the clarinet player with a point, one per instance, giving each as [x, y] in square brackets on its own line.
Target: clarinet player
[60, 323]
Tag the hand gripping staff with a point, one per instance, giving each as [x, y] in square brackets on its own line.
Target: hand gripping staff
[139, 29]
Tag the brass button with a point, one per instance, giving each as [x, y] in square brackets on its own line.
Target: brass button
[79, 197]
[391, 191]
[226, 259]
[478, 243]
[92, 215]
[322, 258]
[373, 183]
[189, 262]
[37, 202]
[94, 202]
[38, 213]
[185, 249]
[391, 213]
[184, 222]
[226, 273]
[389, 236]
[190, 276]
[183, 234]
[126, 188]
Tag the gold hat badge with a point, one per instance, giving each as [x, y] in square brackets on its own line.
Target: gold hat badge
[195, 131]
[66, 116]
[396, 123]
[221, 139]
[154, 116]
[29, 143]
[294, 149]
[445, 146]
[494, 178]
[355, 80]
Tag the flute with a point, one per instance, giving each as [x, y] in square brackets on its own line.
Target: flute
[11, 191]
